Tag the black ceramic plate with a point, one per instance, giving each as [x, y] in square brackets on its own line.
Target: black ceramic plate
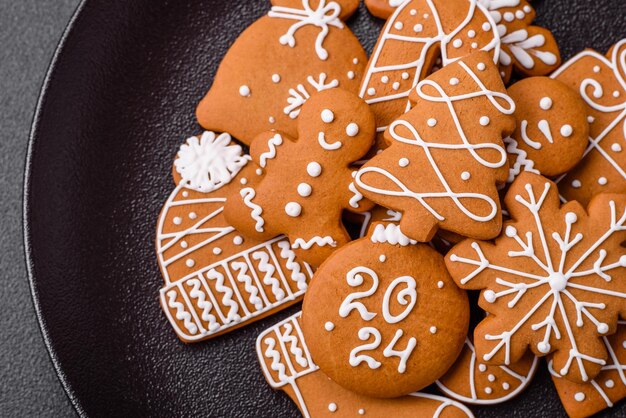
[118, 100]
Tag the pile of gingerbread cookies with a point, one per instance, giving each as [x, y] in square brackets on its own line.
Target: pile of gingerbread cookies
[399, 192]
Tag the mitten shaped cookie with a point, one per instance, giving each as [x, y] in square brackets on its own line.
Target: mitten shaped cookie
[446, 156]
[215, 279]
[554, 281]
[306, 183]
[384, 316]
[552, 129]
[300, 47]
[287, 365]
[601, 82]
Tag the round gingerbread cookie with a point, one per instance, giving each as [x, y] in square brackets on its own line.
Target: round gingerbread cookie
[383, 317]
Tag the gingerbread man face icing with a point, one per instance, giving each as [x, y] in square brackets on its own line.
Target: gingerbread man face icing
[554, 281]
[601, 82]
[383, 309]
[306, 183]
[552, 128]
[287, 365]
[215, 279]
[446, 155]
[301, 47]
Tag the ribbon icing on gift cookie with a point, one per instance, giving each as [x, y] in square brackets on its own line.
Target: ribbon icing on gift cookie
[554, 281]
[384, 307]
[601, 82]
[529, 50]
[446, 156]
[307, 182]
[414, 37]
[585, 399]
[299, 48]
[552, 128]
[215, 279]
[287, 365]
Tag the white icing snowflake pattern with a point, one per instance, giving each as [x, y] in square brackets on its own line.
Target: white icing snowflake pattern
[299, 95]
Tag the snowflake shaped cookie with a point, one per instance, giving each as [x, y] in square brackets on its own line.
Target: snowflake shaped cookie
[554, 281]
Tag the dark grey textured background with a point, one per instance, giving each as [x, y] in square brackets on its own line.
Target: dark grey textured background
[29, 32]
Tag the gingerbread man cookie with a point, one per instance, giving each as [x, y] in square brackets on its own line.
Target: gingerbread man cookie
[554, 281]
[307, 182]
[552, 128]
[384, 309]
[601, 82]
[215, 279]
[287, 364]
[300, 47]
[446, 156]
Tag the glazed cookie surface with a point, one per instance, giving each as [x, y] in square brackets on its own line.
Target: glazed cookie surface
[383, 318]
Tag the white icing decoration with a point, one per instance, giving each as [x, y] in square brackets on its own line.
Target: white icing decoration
[327, 116]
[579, 396]
[523, 49]
[465, 175]
[298, 96]
[276, 78]
[355, 278]
[317, 240]
[266, 267]
[227, 296]
[352, 129]
[391, 234]
[332, 407]
[244, 91]
[522, 162]
[248, 194]
[365, 334]
[287, 254]
[321, 139]
[356, 196]
[217, 251]
[314, 169]
[177, 220]
[545, 103]
[484, 120]
[272, 143]
[329, 326]
[293, 209]
[433, 330]
[243, 277]
[403, 162]
[304, 189]
[567, 131]
[403, 355]
[602, 181]
[406, 297]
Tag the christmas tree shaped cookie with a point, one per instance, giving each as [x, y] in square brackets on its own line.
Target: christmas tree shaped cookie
[446, 156]
[299, 48]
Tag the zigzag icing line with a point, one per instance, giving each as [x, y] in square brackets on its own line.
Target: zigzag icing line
[203, 304]
[243, 277]
[227, 299]
[354, 201]
[272, 353]
[319, 241]
[287, 254]
[181, 313]
[521, 160]
[248, 194]
[269, 279]
[271, 152]
[293, 345]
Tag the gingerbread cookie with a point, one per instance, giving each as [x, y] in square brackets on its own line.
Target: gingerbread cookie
[300, 47]
[446, 156]
[382, 8]
[585, 399]
[601, 82]
[215, 279]
[552, 128]
[383, 309]
[471, 381]
[307, 182]
[414, 37]
[554, 281]
[287, 365]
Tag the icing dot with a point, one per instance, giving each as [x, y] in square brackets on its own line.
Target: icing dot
[193, 215]
[355, 61]
[431, 122]
[484, 120]
[609, 383]
[490, 296]
[510, 231]
[527, 9]
[454, 81]
[371, 91]
[332, 407]
[304, 189]
[590, 119]
[465, 175]
[177, 220]
[418, 28]
[384, 79]
[352, 129]
[576, 184]
[238, 240]
[545, 103]
[603, 328]
[486, 26]
[509, 17]
[488, 390]
[602, 181]
[567, 130]
[426, 15]
[272, 119]
[405, 75]
[440, 284]
[616, 147]
[217, 250]
[382, 258]
[502, 74]
[395, 85]
[482, 367]
[293, 209]
[259, 171]
[351, 75]
[474, 45]
[244, 91]
[403, 162]
[505, 386]
[616, 93]
[520, 14]
[398, 25]
[327, 116]
[413, 12]
[471, 33]
[457, 43]
[543, 347]
[329, 326]
[624, 344]
[433, 330]
[314, 169]
[361, 411]
[276, 78]
[491, 378]
[184, 244]
[579, 396]
[190, 263]
[596, 69]
[185, 194]
[570, 217]
[481, 66]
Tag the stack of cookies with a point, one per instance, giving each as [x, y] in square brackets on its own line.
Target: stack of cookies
[384, 191]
